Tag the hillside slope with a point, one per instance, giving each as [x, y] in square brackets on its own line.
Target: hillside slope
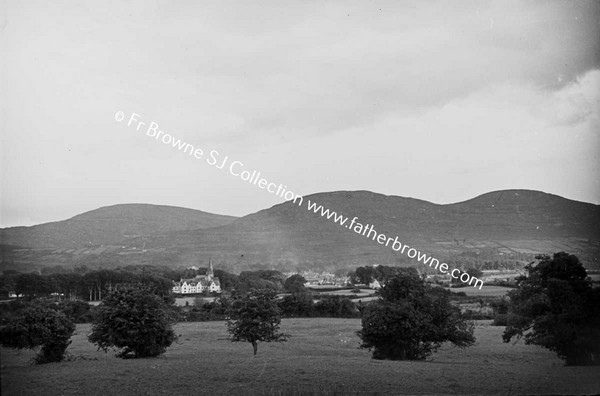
[511, 221]
[111, 225]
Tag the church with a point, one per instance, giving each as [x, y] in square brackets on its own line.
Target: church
[199, 284]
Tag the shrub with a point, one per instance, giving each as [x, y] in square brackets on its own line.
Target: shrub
[37, 326]
[336, 307]
[411, 321]
[136, 321]
[297, 305]
[500, 305]
[78, 311]
[504, 320]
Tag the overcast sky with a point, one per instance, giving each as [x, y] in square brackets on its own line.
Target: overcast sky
[441, 101]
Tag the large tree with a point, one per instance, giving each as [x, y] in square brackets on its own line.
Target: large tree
[39, 325]
[134, 320]
[556, 307]
[412, 320]
[255, 317]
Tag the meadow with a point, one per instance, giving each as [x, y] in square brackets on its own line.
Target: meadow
[487, 291]
[321, 357]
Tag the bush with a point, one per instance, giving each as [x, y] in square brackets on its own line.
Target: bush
[504, 320]
[136, 321]
[12, 309]
[336, 307]
[471, 314]
[412, 321]
[297, 305]
[37, 326]
[78, 311]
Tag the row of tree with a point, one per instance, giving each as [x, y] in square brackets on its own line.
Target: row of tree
[295, 305]
[382, 273]
[95, 285]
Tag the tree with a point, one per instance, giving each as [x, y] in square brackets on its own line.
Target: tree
[365, 275]
[381, 273]
[336, 307]
[352, 278]
[556, 307]
[255, 317]
[474, 273]
[37, 326]
[297, 305]
[411, 321]
[295, 284]
[228, 281]
[135, 320]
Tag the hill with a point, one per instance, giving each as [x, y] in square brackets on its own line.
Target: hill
[501, 225]
[511, 223]
[111, 225]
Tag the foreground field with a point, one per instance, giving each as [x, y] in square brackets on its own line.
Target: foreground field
[321, 357]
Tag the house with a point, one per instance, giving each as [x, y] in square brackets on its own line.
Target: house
[374, 284]
[199, 284]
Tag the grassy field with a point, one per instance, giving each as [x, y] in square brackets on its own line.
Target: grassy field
[321, 357]
[486, 291]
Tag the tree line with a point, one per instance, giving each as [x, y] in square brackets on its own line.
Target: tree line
[554, 306]
[97, 284]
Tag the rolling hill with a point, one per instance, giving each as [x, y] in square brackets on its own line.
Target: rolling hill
[510, 224]
[111, 225]
[507, 222]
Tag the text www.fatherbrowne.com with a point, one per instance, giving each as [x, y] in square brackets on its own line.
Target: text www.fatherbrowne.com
[370, 232]
[236, 168]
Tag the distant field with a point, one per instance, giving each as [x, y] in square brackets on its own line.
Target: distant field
[349, 293]
[486, 291]
[321, 357]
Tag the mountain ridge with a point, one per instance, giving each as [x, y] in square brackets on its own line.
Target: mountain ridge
[499, 224]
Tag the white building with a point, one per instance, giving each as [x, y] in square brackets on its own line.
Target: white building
[199, 284]
[374, 284]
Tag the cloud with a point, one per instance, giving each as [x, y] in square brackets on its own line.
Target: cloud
[503, 136]
[430, 99]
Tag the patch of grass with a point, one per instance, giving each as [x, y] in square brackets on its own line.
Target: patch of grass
[321, 357]
[486, 291]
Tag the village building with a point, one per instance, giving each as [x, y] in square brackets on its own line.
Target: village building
[374, 284]
[199, 284]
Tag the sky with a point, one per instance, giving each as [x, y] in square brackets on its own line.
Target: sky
[441, 101]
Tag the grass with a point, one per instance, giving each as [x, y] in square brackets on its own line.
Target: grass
[321, 357]
[485, 291]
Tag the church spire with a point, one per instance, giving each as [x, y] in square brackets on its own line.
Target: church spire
[210, 273]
